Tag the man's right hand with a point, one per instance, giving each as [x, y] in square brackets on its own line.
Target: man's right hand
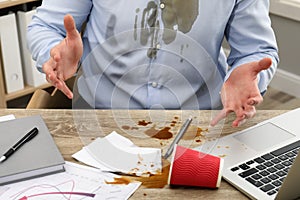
[64, 58]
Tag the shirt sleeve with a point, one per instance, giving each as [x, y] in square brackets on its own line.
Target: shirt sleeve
[251, 38]
[47, 29]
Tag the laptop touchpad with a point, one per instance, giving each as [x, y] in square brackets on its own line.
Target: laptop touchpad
[264, 136]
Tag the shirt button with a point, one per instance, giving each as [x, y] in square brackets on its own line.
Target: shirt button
[158, 46]
[154, 84]
[162, 5]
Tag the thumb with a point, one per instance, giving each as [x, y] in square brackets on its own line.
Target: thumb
[263, 64]
[70, 27]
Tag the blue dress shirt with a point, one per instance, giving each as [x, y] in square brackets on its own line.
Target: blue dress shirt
[158, 54]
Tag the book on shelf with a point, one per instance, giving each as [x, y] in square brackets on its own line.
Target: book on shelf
[10, 53]
[37, 157]
[32, 76]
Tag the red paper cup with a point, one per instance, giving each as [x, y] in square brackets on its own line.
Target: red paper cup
[194, 168]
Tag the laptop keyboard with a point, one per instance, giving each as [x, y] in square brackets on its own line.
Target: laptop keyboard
[267, 172]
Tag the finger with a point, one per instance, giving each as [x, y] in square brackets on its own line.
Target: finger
[61, 85]
[263, 64]
[250, 113]
[254, 100]
[70, 26]
[55, 55]
[239, 121]
[240, 114]
[221, 115]
[51, 78]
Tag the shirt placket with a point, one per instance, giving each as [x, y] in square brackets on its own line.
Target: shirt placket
[155, 83]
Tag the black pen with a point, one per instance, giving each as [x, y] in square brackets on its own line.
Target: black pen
[178, 137]
[31, 134]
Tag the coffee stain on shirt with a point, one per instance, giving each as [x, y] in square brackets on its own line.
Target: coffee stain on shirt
[175, 15]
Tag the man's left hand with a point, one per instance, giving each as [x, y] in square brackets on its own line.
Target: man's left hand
[240, 93]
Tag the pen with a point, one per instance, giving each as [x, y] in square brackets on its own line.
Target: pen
[31, 134]
[178, 137]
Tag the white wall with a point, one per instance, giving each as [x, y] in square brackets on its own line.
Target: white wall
[285, 16]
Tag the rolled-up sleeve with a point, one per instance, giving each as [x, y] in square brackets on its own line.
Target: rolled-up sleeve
[251, 38]
[47, 29]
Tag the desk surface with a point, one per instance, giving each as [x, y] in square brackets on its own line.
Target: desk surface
[72, 129]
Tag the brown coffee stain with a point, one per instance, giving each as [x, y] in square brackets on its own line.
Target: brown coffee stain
[173, 123]
[157, 180]
[144, 123]
[162, 134]
[200, 132]
[119, 181]
[194, 133]
[176, 15]
[125, 127]
[180, 13]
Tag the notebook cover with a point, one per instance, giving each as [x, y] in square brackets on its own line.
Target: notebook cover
[39, 156]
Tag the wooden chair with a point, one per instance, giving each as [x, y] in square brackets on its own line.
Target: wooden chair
[46, 99]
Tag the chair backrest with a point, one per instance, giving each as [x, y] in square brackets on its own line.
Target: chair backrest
[42, 99]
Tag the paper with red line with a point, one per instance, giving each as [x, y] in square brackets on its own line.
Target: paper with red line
[76, 183]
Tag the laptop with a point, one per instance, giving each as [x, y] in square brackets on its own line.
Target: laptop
[262, 161]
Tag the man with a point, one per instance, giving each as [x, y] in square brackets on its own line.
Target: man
[158, 54]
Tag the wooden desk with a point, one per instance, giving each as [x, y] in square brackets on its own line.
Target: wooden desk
[72, 129]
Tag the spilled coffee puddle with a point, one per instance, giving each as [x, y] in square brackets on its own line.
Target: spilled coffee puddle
[160, 180]
[195, 133]
[155, 180]
[162, 134]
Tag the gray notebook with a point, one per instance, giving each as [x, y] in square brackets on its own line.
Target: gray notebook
[40, 156]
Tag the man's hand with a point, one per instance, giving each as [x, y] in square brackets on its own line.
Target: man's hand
[64, 58]
[240, 93]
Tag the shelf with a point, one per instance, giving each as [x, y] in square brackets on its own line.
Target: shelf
[4, 98]
[9, 3]
[27, 90]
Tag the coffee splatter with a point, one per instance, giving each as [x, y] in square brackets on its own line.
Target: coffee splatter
[157, 180]
[143, 123]
[119, 181]
[200, 131]
[163, 133]
[125, 127]
[173, 123]
[176, 15]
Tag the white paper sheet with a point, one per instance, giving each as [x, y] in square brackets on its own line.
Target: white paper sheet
[77, 182]
[84, 157]
[118, 154]
[7, 117]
